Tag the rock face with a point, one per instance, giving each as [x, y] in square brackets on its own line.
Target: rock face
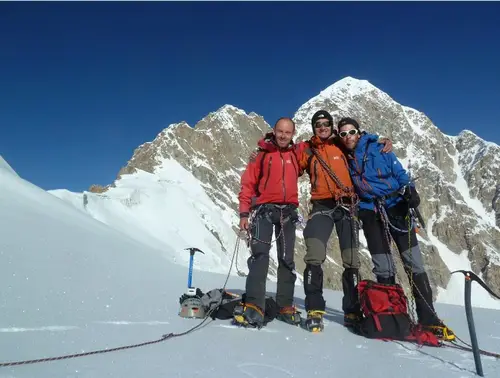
[98, 188]
[496, 205]
[214, 150]
[456, 175]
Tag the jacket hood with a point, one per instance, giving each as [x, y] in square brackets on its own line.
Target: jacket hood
[365, 139]
[268, 143]
[317, 141]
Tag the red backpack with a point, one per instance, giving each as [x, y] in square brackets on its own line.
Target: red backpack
[385, 310]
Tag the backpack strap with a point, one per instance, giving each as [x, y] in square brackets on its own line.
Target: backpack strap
[294, 153]
[262, 154]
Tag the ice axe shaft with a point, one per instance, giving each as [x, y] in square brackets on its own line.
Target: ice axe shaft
[472, 328]
[192, 251]
[469, 277]
[415, 212]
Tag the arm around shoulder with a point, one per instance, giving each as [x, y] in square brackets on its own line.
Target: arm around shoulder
[303, 154]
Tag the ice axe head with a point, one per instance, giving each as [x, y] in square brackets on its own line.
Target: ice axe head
[193, 250]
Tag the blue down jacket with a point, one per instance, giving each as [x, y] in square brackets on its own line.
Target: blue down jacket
[376, 174]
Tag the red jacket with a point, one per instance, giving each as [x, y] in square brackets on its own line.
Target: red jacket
[271, 177]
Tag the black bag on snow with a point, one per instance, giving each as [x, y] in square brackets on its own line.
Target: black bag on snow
[221, 304]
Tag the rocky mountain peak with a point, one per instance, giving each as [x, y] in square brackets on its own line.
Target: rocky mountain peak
[346, 97]
[215, 150]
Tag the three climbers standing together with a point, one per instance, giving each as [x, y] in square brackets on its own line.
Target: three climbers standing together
[355, 178]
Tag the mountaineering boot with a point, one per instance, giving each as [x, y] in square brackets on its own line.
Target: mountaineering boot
[426, 313]
[442, 332]
[289, 315]
[352, 320]
[350, 301]
[248, 315]
[314, 321]
[313, 287]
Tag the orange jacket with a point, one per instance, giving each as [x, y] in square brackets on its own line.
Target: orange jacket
[322, 185]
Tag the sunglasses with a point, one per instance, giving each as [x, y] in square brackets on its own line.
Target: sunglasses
[321, 124]
[343, 134]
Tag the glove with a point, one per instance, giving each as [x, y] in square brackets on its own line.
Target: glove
[411, 196]
[198, 294]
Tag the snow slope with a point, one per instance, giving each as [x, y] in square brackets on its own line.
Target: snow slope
[169, 208]
[72, 284]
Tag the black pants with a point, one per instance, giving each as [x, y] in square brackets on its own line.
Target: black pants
[378, 243]
[325, 215]
[282, 220]
[407, 244]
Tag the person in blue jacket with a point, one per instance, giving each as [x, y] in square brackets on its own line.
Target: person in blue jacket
[386, 195]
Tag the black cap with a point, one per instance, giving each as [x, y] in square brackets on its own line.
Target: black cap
[348, 121]
[321, 114]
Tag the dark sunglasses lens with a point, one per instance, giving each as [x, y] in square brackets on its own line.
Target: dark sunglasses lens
[321, 124]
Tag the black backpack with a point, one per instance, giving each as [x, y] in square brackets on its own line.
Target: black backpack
[229, 301]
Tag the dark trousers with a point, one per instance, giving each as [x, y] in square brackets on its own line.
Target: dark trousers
[282, 220]
[378, 242]
[325, 215]
[409, 250]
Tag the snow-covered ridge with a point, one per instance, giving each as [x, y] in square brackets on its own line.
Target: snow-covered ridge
[6, 167]
[349, 86]
[226, 116]
[172, 127]
[340, 99]
[143, 205]
[469, 133]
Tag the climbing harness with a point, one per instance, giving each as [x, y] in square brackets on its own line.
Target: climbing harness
[349, 201]
[265, 210]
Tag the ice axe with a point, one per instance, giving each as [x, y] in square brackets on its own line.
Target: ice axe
[469, 277]
[191, 290]
[191, 305]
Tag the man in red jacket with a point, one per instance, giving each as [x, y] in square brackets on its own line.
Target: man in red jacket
[269, 191]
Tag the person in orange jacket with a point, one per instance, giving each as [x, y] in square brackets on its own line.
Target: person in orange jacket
[334, 204]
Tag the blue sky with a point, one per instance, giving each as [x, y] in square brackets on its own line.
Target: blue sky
[83, 84]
